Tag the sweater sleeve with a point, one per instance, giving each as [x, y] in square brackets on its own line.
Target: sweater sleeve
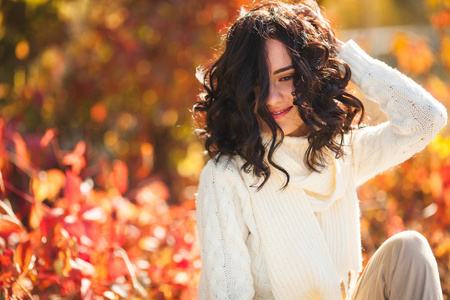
[226, 271]
[414, 116]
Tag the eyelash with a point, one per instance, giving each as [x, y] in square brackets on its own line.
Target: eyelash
[286, 78]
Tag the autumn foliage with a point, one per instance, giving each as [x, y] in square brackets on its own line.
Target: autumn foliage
[62, 235]
[99, 166]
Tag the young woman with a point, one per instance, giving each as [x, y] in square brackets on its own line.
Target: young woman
[277, 208]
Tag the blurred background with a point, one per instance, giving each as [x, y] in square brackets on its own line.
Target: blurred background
[99, 164]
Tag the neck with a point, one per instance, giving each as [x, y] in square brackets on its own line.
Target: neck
[301, 131]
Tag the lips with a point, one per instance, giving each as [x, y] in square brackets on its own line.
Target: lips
[280, 113]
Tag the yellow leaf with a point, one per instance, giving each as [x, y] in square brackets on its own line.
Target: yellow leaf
[441, 146]
[47, 184]
[36, 215]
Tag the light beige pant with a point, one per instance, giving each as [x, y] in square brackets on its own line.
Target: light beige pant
[403, 268]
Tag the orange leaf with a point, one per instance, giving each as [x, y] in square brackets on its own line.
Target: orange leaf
[2, 184]
[48, 136]
[120, 175]
[76, 158]
[36, 215]
[24, 256]
[147, 153]
[22, 287]
[21, 151]
[5, 274]
[8, 226]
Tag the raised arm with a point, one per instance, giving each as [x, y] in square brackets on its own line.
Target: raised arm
[226, 272]
[415, 117]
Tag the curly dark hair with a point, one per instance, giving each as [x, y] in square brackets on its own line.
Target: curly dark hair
[227, 112]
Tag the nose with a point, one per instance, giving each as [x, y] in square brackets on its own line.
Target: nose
[274, 98]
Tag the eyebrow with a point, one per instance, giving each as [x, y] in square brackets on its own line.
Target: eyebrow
[282, 70]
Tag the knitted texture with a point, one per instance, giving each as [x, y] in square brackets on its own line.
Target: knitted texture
[302, 242]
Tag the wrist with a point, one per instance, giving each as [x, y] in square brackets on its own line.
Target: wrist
[358, 60]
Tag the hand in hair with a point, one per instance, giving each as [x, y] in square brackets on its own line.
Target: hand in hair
[311, 8]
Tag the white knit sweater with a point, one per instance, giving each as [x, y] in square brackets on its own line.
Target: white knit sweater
[302, 242]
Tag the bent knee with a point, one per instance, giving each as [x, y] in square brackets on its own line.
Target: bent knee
[411, 243]
[411, 237]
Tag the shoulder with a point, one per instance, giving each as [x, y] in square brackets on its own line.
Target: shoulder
[223, 175]
[225, 169]
[221, 181]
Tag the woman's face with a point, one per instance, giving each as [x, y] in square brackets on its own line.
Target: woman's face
[280, 99]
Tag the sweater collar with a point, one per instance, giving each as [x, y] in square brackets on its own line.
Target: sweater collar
[321, 188]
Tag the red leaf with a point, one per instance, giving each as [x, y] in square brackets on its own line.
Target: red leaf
[445, 174]
[7, 268]
[72, 190]
[6, 258]
[49, 222]
[5, 274]
[184, 264]
[68, 286]
[74, 227]
[116, 267]
[2, 127]
[47, 277]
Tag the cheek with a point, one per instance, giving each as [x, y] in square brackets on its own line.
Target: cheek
[287, 90]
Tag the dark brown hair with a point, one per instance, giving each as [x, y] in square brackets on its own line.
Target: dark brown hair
[226, 108]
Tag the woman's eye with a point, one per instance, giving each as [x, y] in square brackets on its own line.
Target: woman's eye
[287, 78]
